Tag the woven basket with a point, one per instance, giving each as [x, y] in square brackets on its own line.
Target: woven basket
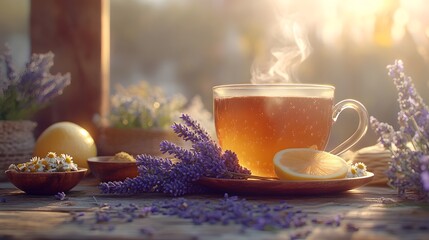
[16, 143]
[377, 159]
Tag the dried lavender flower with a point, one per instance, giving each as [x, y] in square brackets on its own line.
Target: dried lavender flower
[149, 232]
[233, 210]
[22, 94]
[60, 196]
[157, 174]
[409, 166]
[248, 214]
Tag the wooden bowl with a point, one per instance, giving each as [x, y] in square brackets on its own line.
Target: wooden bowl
[45, 183]
[105, 169]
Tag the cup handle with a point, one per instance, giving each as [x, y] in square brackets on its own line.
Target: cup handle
[361, 129]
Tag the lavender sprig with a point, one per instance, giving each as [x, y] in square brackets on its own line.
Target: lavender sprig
[409, 168]
[23, 94]
[204, 159]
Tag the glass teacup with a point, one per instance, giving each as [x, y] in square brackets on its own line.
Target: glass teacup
[258, 120]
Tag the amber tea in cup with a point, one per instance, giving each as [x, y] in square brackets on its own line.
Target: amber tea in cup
[256, 121]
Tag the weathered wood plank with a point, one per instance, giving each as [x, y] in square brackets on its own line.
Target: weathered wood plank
[367, 212]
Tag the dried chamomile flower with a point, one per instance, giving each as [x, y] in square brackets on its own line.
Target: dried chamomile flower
[13, 167]
[67, 158]
[357, 170]
[66, 163]
[352, 173]
[51, 163]
[361, 169]
[51, 155]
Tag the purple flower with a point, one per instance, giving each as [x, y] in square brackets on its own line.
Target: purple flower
[156, 174]
[60, 196]
[232, 209]
[199, 133]
[24, 93]
[37, 83]
[424, 164]
[408, 169]
[224, 211]
[336, 221]
[10, 68]
[384, 131]
[147, 231]
[425, 180]
[102, 217]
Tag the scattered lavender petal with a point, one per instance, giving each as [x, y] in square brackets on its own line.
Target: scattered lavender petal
[60, 196]
[101, 217]
[351, 227]
[407, 226]
[147, 231]
[224, 211]
[424, 227]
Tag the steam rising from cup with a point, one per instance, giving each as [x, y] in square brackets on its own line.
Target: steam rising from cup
[281, 66]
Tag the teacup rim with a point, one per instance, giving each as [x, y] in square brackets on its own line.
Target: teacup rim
[275, 85]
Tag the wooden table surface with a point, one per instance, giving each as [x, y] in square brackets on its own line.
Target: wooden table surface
[366, 213]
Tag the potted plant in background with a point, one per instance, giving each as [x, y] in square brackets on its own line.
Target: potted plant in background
[140, 118]
[21, 95]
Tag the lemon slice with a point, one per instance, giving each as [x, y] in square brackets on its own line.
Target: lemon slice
[308, 164]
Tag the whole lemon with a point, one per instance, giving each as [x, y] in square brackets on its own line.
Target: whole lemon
[68, 138]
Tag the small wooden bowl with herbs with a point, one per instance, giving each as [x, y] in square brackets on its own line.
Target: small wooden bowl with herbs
[46, 176]
[113, 168]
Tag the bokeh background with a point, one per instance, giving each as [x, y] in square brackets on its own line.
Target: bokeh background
[188, 46]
